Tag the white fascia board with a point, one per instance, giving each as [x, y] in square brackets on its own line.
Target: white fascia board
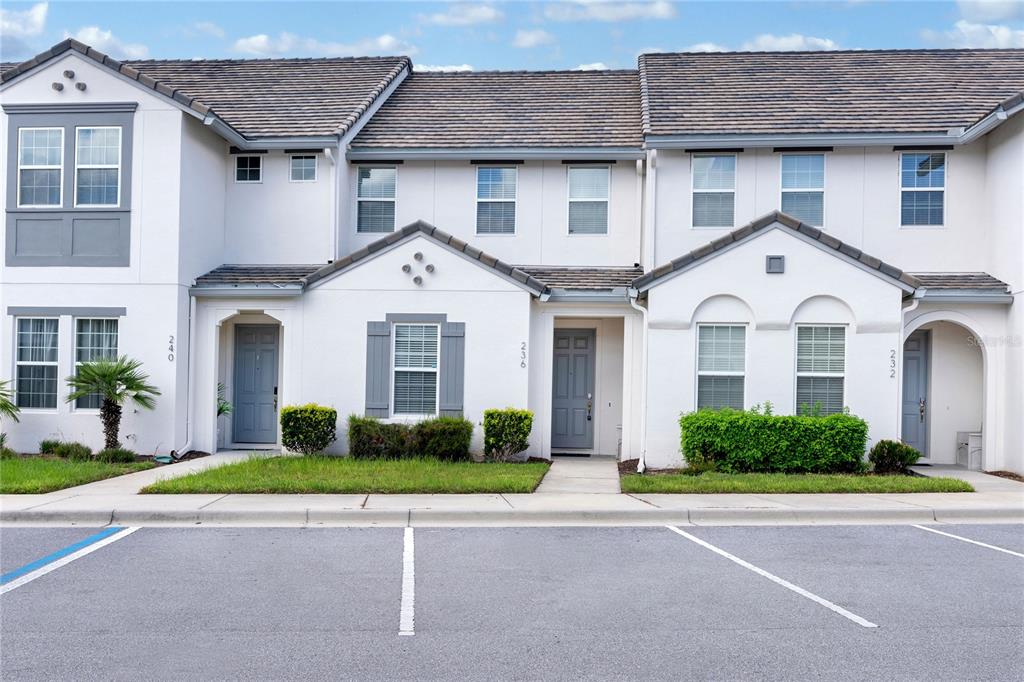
[808, 140]
[496, 153]
[246, 291]
[989, 122]
[963, 296]
[297, 142]
[616, 295]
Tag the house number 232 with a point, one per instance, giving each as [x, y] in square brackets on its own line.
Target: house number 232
[892, 363]
[170, 348]
[522, 355]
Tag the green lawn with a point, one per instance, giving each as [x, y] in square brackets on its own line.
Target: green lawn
[788, 483]
[46, 474]
[346, 475]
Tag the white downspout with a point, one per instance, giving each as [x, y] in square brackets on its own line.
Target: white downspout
[642, 463]
[335, 200]
[189, 383]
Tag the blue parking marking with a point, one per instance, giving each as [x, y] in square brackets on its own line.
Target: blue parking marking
[60, 553]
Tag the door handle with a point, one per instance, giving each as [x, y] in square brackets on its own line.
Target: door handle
[921, 408]
[590, 405]
[275, 397]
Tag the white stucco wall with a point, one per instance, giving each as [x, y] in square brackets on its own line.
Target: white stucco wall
[204, 162]
[443, 193]
[817, 288]
[956, 387]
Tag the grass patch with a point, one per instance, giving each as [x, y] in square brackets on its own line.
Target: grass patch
[23, 475]
[346, 475]
[788, 483]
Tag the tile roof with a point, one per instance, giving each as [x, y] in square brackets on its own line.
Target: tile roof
[961, 280]
[775, 218]
[249, 275]
[580, 278]
[863, 91]
[509, 109]
[257, 97]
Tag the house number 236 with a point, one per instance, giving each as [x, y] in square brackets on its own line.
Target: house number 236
[522, 355]
[170, 348]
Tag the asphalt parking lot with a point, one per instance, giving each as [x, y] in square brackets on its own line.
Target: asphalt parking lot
[821, 602]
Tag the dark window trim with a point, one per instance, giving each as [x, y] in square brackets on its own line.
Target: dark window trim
[589, 162]
[413, 318]
[497, 162]
[802, 150]
[72, 108]
[247, 152]
[924, 148]
[57, 311]
[304, 152]
[376, 162]
[716, 150]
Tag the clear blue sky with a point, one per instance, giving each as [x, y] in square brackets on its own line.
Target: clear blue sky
[502, 35]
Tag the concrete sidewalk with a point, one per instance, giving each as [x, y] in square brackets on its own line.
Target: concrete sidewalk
[581, 475]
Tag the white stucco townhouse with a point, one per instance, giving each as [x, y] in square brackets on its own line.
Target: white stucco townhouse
[608, 249]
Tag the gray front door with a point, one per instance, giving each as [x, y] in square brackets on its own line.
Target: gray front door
[255, 384]
[572, 419]
[915, 391]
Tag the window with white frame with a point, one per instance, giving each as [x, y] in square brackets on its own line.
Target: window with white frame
[375, 198]
[97, 166]
[922, 188]
[248, 169]
[803, 187]
[820, 369]
[95, 339]
[721, 363]
[714, 190]
[36, 363]
[495, 200]
[40, 167]
[588, 199]
[303, 168]
[415, 361]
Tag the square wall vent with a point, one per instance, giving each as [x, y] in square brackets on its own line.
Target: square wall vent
[774, 265]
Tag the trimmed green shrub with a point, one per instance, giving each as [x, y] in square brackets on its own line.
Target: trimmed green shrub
[735, 441]
[507, 433]
[892, 456]
[370, 438]
[48, 446]
[445, 438]
[73, 451]
[308, 429]
[116, 456]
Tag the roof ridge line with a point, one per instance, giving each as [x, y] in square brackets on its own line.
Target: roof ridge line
[350, 120]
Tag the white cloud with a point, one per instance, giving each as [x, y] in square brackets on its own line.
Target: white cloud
[983, 11]
[593, 66]
[106, 41]
[602, 10]
[967, 34]
[532, 38]
[706, 47]
[767, 42]
[207, 28]
[442, 68]
[262, 45]
[465, 14]
[24, 24]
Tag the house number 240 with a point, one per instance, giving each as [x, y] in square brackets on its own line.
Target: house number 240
[170, 348]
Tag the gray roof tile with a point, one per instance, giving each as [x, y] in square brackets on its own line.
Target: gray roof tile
[248, 275]
[960, 280]
[583, 278]
[862, 91]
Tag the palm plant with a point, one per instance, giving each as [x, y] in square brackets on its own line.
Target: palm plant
[8, 409]
[116, 382]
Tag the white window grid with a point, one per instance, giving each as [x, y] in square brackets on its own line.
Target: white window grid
[108, 166]
[820, 190]
[18, 362]
[303, 157]
[259, 169]
[78, 348]
[60, 167]
[904, 188]
[514, 200]
[360, 198]
[606, 199]
[694, 191]
[436, 370]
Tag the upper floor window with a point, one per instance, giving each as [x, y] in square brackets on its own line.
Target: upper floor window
[588, 199]
[922, 188]
[820, 369]
[375, 199]
[303, 168]
[495, 200]
[36, 363]
[40, 167]
[714, 190]
[721, 361]
[415, 361]
[97, 166]
[803, 187]
[248, 169]
[95, 339]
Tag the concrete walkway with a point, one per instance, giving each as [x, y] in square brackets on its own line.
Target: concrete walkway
[581, 475]
[979, 480]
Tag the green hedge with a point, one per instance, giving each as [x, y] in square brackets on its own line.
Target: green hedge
[73, 451]
[506, 433]
[892, 457]
[308, 429]
[734, 441]
[445, 438]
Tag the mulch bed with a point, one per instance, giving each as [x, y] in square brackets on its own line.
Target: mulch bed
[1007, 474]
[192, 454]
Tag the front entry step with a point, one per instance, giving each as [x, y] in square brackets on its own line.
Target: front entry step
[581, 475]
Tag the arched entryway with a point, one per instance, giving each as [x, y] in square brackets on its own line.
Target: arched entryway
[943, 392]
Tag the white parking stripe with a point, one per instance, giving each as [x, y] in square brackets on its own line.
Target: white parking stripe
[408, 612]
[776, 579]
[973, 542]
[64, 561]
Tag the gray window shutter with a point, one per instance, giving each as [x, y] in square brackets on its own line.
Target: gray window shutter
[378, 369]
[453, 365]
